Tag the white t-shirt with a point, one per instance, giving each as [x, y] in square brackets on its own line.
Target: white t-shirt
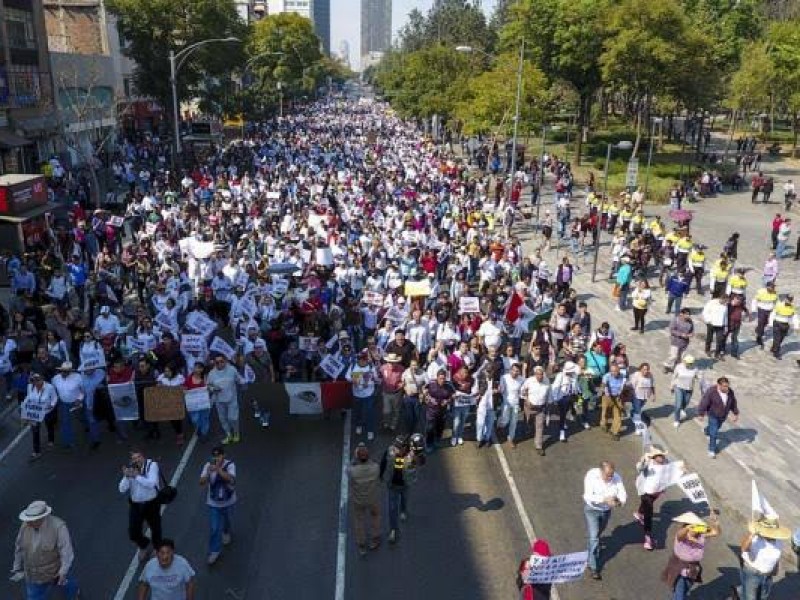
[490, 333]
[169, 583]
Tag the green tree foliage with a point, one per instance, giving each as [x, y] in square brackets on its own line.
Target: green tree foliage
[448, 23]
[154, 27]
[491, 98]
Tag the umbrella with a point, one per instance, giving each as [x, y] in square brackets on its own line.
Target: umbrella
[681, 215]
[282, 268]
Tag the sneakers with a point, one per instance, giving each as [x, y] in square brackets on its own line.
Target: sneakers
[370, 436]
[676, 424]
[358, 430]
[712, 454]
[562, 436]
[683, 414]
[392, 536]
[403, 516]
[587, 426]
[639, 518]
[227, 440]
[460, 441]
[648, 543]
[212, 558]
[226, 539]
[454, 441]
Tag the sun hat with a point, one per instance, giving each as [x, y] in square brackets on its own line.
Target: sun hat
[689, 518]
[655, 451]
[769, 528]
[65, 366]
[392, 358]
[38, 509]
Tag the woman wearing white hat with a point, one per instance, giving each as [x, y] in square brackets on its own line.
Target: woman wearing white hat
[682, 385]
[761, 554]
[650, 484]
[683, 569]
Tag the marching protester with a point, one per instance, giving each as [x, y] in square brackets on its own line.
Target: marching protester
[396, 464]
[683, 568]
[717, 403]
[140, 483]
[364, 475]
[761, 552]
[43, 554]
[649, 485]
[534, 591]
[219, 476]
[167, 576]
[603, 490]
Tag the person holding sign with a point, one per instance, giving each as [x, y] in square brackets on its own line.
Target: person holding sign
[602, 490]
[223, 383]
[533, 591]
[717, 403]
[683, 568]
[650, 484]
[37, 407]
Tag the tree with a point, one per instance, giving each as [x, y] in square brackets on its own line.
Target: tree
[784, 50]
[492, 96]
[448, 23]
[154, 27]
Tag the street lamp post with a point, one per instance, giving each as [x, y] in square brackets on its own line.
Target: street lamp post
[176, 60]
[623, 145]
[656, 120]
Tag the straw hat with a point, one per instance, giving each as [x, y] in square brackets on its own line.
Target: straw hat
[689, 518]
[769, 528]
[38, 509]
[392, 358]
[655, 451]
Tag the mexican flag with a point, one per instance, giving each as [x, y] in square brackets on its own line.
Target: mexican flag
[314, 398]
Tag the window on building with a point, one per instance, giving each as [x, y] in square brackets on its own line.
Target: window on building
[19, 24]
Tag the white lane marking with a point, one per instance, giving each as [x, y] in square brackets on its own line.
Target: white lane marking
[341, 544]
[176, 477]
[8, 410]
[13, 443]
[744, 466]
[523, 514]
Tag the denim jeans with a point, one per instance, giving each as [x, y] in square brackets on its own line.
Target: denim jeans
[509, 418]
[459, 420]
[412, 414]
[636, 408]
[623, 296]
[88, 416]
[398, 502]
[596, 522]
[755, 586]
[201, 419]
[712, 431]
[682, 398]
[365, 413]
[484, 424]
[219, 520]
[674, 304]
[682, 587]
[65, 424]
[43, 591]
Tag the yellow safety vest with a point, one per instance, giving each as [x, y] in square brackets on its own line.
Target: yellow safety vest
[671, 237]
[697, 259]
[719, 274]
[784, 309]
[613, 209]
[684, 245]
[656, 229]
[626, 215]
[738, 284]
[765, 300]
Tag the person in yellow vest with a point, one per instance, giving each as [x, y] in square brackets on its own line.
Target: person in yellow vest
[697, 266]
[737, 284]
[672, 237]
[613, 216]
[762, 306]
[719, 277]
[637, 222]
[683, 246]
[626, 214]
[656, 228]
[783, 316]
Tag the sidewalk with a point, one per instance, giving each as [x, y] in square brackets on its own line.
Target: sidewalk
[765, 443]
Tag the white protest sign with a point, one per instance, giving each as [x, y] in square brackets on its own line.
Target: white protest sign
[33, 411]
[395, 315]
[150, 228]
[123, 401]
[557, 569]
[197, 399]
[166, 322]
[279, 287]
[248, 306]
[468, 304]
[202, 250]
[116, 221]
[201, 323]
[249, 374]
[273, 195]
[307, 343]
[693, 488]
[222, 347]
[193, 342]
[372, 298]
[305, 256]
[92, 361]
[331, 366]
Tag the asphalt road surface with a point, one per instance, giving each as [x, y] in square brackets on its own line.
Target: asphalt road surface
[463, 538]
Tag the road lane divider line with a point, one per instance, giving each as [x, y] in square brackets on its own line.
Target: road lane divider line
[133, 567]
[521, 511]
[341, 541]
[13, 443]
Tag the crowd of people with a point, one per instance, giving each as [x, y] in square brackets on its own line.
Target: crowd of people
[339, 232]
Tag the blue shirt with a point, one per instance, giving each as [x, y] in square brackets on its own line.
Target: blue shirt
[78, 273]
[24, 281]
[613, 384]
[624, 274]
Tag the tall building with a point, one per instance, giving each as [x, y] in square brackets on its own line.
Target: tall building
[376, 30]
[92, 78]
[316, 11]
[250, 10]
[28, 119]
[344, 53]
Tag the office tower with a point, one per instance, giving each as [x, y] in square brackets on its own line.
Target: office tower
[376, 30]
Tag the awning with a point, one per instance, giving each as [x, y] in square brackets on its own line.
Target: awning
[30, 214]
[12, 140]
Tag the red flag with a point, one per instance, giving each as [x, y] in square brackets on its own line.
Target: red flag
[512, 310]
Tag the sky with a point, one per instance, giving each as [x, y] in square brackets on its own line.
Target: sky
[346, 21]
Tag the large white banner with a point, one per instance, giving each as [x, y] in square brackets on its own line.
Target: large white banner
[304, 398]
[557, 569]
[123, 401]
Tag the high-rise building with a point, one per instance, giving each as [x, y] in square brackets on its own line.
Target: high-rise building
[376, 29]
[316, 11]
[250, 10]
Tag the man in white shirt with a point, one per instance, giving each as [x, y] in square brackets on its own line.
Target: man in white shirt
[418, 333]
[106, 323]
[490, 333]
[140, 482]
[761, 553]
[69, 387]
[715, 315]
[602, 490]
[535, 393]
[41, 396]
